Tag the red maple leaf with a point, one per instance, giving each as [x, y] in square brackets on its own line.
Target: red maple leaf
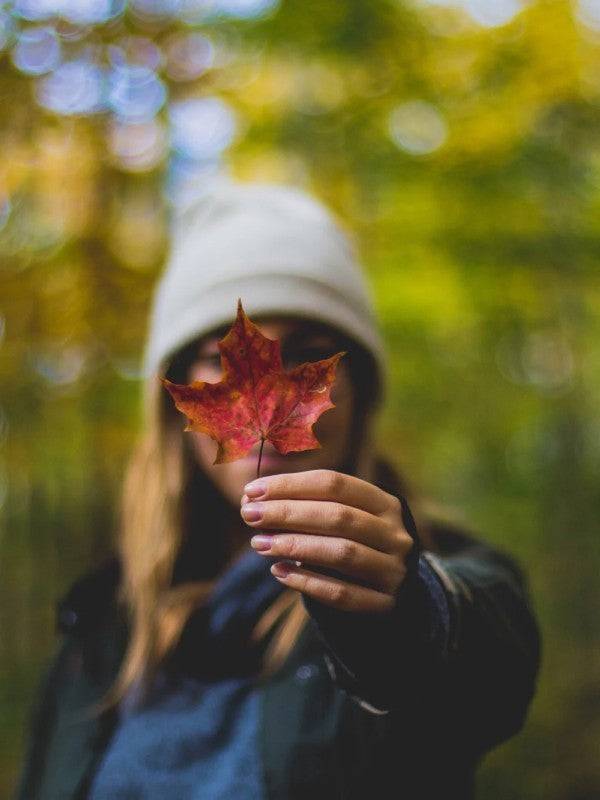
[257, 400]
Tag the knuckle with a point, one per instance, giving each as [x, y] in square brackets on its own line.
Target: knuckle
[284, 512]
[341, 516]
[282, 485]
[338, 594]
[287, 484]
[347, 553]
[293, 547]
[304, 582]
[330, 480]
[402, 542]
[408, 544]
[395, 505]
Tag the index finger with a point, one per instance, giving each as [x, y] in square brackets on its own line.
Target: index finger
[322, 484]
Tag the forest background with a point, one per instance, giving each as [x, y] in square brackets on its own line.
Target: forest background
[459, 140]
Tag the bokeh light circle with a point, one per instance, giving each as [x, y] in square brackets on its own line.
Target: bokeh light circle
[37, 50]
[135, 93]
[138, 147]
[35, 9]
[89, 12]
[493, 13]
[588, 13]
[135, 50]
[201, 128]
[188, 56]
[76, 87]
[245, 9]
[417, 127]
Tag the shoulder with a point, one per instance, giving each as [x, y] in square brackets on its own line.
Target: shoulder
[65, 728]
[91, 600]
[92, 625]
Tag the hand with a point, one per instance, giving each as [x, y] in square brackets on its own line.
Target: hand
[335, 521]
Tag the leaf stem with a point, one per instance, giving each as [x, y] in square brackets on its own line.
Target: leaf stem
[262, 444]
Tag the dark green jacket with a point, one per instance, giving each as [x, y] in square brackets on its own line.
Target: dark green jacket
[400, 706]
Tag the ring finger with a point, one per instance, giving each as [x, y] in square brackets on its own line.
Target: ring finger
[351, 559]
[316, 516]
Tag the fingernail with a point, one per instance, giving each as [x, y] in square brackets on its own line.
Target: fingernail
[252, 512]
[281, 569]
[256, 489]
[261, 542]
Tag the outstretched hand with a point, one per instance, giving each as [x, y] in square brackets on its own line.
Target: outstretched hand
[329, 520]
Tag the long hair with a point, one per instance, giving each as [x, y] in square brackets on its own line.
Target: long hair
[163, 490]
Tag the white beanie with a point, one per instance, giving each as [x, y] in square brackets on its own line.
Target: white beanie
[275, 248]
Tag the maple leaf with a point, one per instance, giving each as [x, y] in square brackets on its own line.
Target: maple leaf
[257, 400]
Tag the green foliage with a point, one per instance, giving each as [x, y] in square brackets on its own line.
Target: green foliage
[467, 161]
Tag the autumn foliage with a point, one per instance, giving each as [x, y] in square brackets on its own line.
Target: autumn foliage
[257, 400]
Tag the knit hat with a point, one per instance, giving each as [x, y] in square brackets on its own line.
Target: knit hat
[275, 248]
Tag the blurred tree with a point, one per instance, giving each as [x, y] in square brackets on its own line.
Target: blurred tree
[460, 141]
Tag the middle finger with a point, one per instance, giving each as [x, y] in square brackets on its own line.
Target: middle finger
[318, 516]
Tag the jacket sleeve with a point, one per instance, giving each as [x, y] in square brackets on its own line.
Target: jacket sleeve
[461, 647]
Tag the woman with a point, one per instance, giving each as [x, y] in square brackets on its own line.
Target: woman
[288, 636]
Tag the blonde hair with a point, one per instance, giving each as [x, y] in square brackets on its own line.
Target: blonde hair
[152, 534]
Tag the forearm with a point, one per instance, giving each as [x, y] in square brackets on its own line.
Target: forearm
[377, 657]
[462, 643]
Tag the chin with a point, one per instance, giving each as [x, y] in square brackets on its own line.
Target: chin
[231, 477]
